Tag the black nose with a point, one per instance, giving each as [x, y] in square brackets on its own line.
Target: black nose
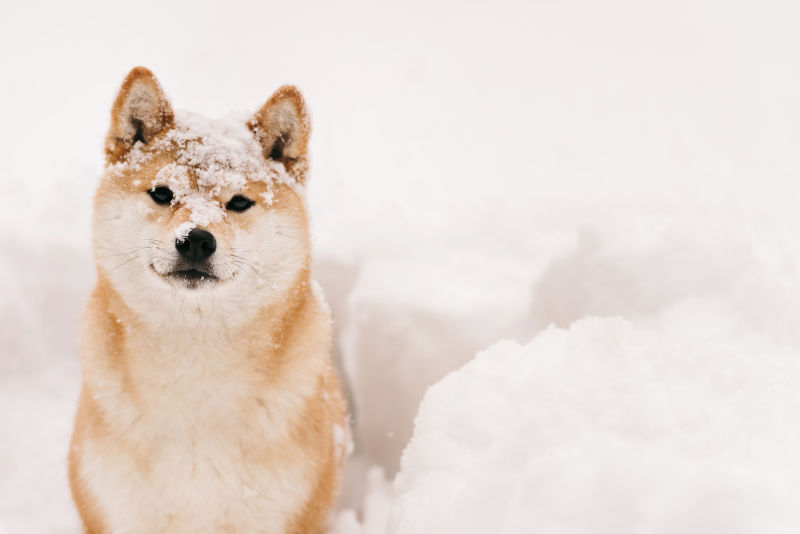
[197, 246]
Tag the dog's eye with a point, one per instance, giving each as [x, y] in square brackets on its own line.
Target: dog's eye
[161, 195]
[239, 203]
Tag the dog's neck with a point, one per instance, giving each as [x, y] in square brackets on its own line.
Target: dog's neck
[207, 333]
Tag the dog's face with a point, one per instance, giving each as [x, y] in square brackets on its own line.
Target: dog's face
[198, 218]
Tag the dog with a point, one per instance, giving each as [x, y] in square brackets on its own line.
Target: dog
[209, 400]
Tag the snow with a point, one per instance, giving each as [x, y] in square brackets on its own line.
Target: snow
[680, 426]
[223, 155]
[409, 323]
[660, 404]
[611, 187]
[376, 508]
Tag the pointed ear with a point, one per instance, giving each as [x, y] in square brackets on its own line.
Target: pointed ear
[139, 113]
[282, 126]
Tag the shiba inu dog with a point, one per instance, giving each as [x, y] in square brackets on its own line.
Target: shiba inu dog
[209, 401]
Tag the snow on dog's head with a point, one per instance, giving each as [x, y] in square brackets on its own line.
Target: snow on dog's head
[192, 209]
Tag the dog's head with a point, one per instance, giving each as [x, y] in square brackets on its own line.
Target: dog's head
[205, 216]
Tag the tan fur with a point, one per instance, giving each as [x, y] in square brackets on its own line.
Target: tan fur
[140, 107]
[205, 418]
[282, 124]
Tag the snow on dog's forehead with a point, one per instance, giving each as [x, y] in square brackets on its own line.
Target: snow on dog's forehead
[222, 153]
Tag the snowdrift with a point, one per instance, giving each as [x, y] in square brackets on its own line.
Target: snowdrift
[605, 427]
[660, 398]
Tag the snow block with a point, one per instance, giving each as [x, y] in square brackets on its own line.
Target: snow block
[687, 425]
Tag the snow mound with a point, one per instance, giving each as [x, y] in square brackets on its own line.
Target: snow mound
[409, 322]
[682, 426]
[636, 264]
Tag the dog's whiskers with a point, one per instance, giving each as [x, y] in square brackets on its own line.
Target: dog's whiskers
[241, 262]
[132, 250]
[133, 257]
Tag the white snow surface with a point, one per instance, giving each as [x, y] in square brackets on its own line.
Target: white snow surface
[683, 425]
[412, 321]
[609, 187]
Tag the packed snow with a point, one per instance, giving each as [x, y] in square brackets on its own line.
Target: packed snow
[679, 426]
[599, 200]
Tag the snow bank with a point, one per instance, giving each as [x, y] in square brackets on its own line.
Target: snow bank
[36, 423]
[636, 263]
[683, 426]
[644, 260]
[662, 399]
[410, 322]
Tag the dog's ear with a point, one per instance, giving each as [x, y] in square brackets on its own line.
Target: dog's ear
[139, 113]
[282, 126]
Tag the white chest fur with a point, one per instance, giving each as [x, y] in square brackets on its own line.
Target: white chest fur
[200, 445]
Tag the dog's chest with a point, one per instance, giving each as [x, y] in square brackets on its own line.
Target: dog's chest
[208, 453]
[203, 490]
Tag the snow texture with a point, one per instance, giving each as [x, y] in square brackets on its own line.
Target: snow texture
[611, 187]
[223, 155]
[409, 323]
[606, 427]
[674, 419]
